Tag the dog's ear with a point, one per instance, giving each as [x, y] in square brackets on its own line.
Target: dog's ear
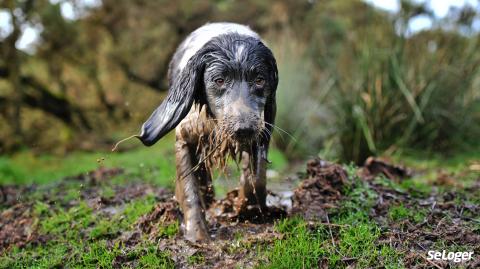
[269, 117]
[181, 95]
[270, 107]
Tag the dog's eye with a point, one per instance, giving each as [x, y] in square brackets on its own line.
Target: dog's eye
[259, 82]
[219, 82]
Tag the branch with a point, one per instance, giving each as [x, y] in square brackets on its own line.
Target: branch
[155, 84]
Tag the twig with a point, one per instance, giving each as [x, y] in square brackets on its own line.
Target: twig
[121, 141]
[330, 231]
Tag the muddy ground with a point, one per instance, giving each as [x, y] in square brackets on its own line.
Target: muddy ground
[448, 216]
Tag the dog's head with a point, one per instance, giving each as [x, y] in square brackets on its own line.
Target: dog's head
[236, 77]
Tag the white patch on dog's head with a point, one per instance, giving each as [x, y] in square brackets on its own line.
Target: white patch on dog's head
[238, 53]
[202, 35]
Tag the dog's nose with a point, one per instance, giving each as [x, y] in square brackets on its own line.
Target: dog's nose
[243, 132]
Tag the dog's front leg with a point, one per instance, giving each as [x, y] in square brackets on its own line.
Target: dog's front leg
[187, 192]
[253, 181]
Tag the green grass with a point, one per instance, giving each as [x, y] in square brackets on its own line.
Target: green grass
[399, 212]
[301, 248]
[153, 164]
[427, 160]
[153, 258]
[306, 246]
[169, 230]
[112, 226]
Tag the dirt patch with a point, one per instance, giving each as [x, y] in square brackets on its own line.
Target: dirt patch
[18, 227]
[97, 175]
[223, 210]
[163, 214]
[123, 195]
[376, 166]
[235, 235]
[432, 221]
[11, 195]
[320, 191]
[228, 247]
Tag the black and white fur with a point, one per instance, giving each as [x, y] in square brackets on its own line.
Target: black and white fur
[228, 70]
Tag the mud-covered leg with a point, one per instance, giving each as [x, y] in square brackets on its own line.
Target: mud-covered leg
[187, 194]
[205, 186]
[252, 185]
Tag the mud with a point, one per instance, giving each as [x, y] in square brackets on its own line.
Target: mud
[320, 191]
[98, 175]
[376, 166]
[449, 220]
[11, 195]
[18, 228]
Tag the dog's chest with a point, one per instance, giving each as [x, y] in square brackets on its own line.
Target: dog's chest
[204, 133]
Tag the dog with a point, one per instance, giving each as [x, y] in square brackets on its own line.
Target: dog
[221, 99]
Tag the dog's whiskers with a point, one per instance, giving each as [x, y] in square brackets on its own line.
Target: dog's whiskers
[275, 127]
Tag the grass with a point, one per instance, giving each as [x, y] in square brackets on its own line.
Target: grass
[153, 258]
[169, 230]
[299, 249]
[307, 246]
[151, 164]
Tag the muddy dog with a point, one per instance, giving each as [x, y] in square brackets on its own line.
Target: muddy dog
[223, 80]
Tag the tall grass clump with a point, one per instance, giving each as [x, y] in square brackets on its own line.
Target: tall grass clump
[414, 94]
[378, 87]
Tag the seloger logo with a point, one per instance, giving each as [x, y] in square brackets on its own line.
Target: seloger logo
[450, 256]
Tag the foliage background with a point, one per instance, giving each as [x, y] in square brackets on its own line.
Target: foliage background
[358, 82]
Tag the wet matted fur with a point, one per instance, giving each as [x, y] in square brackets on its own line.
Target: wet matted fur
[221, 100]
